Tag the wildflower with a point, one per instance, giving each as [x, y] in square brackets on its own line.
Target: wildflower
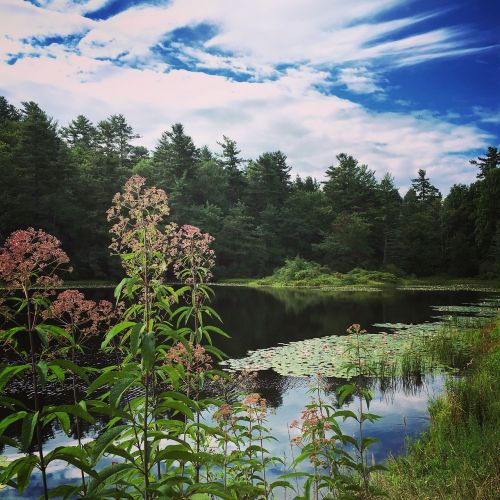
[223, 413]
[76, 313]
[139, 227]
[255, 405]
[192, 357]
[30, 259]
[195, 258]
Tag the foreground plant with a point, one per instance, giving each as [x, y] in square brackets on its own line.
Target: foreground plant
[29, 264]
[156, 428]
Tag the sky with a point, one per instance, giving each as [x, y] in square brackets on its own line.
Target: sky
[401, 85]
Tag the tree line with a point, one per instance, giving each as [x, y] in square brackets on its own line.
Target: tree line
[60, 179]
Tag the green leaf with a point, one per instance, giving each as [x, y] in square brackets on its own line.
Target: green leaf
[56, 331]
[104, 440]
[366, 442]
[57, 372]
[73, 455]
[103, 379]
[115, 331]
[120, 452]
[64, 421]
[75, 410]
[28, 427]
[344, 391]
[120, 386]
[9, 372]
[211, 328]
[42, 370]
[22, 468]
[11, 403]
[10, 419]
[280, 484]
[148, 351]
[178, 407]
[104, 409]
[118, 290]
[135, 338]
[67, 364]
[43, 337]
[65, 491]
[106, 474]
[346, 414]
[179, 397]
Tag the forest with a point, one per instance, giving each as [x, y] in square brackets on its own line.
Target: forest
[61, 178]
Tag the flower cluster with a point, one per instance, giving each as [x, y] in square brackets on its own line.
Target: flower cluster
[30, 259]
[313, 428]
[193, 358]
[224, 413]
[140, 231]
[255, 406]
[195, 258]
[78, 314]
[355, 329]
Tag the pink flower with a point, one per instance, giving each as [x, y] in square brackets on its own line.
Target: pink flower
[77, 314]
[30, 258]
[140, 227]
[195, 258]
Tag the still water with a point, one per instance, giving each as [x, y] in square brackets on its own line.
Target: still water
[263, 318]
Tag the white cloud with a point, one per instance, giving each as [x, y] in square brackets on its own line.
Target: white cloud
[80, 7]
[260, 35]
[486, 115]
[287, 114]
[359, 80]
[19, 20]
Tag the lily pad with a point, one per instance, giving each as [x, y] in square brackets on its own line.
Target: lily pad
[330, 355]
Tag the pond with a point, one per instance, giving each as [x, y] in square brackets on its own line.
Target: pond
[266, 318]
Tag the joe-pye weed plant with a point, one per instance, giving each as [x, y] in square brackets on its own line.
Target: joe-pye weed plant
[30, 261]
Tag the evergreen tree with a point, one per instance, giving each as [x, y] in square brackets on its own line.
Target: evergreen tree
[458, 226]
[350, 187]
[304, 218]
[487, 163]
[239, 248]
[424, 190]
[233, 164]
[268, 182]
[80, 133]
[114, 136]
[488, 210]
[347, 244]
[41, 175]
[420, 231]
[175, 160]
[386, 219]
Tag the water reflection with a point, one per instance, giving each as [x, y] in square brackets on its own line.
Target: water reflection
[403, 410]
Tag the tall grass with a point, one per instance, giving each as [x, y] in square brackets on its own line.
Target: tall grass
[459, 455]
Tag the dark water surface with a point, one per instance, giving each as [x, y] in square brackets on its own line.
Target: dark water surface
[265, 317]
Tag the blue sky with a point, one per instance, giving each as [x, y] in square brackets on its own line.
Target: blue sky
[400, 85]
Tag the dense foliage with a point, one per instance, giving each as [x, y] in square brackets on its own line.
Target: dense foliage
[60, 179]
